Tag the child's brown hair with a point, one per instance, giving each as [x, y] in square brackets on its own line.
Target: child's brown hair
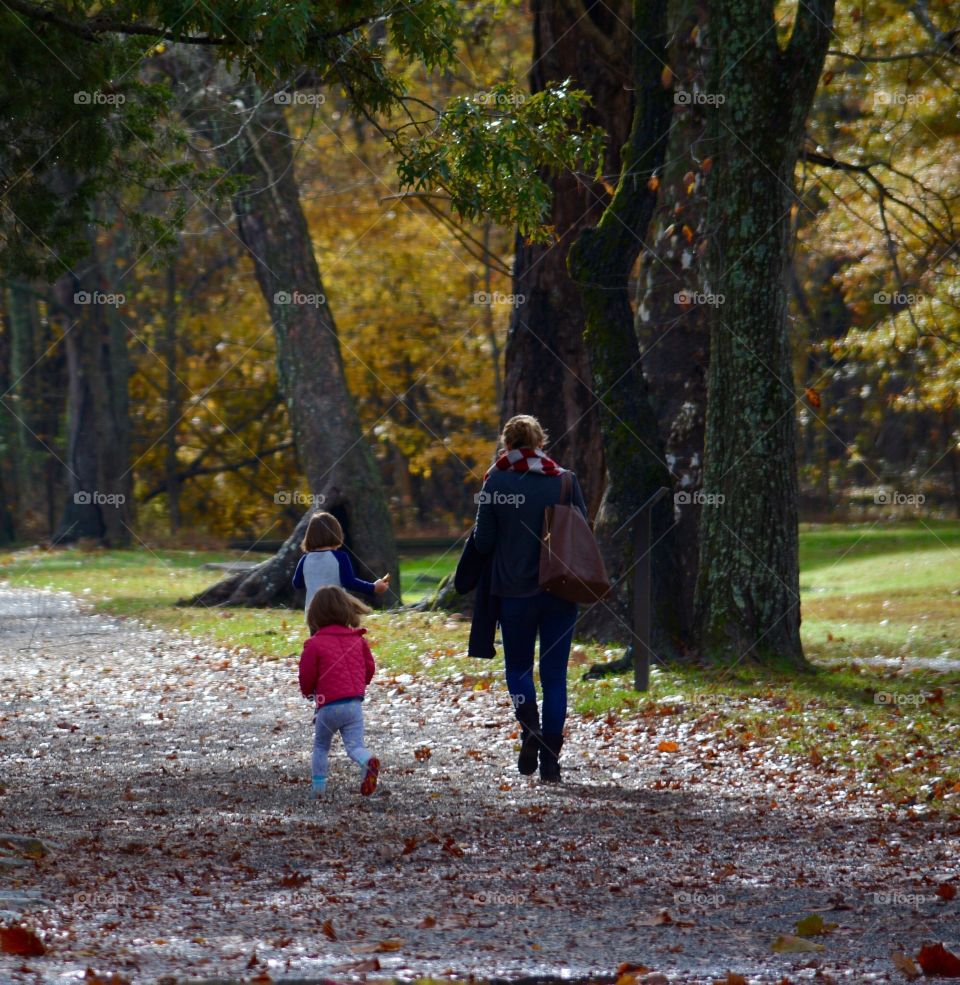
[323, 532]
[332, 606]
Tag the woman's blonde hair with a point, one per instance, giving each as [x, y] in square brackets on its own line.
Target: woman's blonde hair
[323, 532]
[332, 606]
[523, 431]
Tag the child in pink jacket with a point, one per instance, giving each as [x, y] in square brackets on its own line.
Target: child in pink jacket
[335, 668]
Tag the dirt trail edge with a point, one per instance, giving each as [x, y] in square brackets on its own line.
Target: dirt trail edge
[169, 780]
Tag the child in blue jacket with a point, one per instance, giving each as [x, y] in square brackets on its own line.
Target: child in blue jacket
[326, 563]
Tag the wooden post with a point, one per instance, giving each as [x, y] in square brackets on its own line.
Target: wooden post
[641, 616]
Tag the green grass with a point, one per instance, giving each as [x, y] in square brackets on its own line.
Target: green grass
[869, 591]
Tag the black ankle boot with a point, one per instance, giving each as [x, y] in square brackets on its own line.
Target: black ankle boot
[549, 757]
[529, 718]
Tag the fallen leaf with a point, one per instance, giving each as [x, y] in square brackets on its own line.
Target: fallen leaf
[788, 944]
[390, 944]
[361, 967]
[935, 959]
[667, 745]
[427, 923]
[92, 977]
[20, 940]
[328, 931]
[813, 925]
[732, 979]
[293, 880]
[422, 754]
[946, 891]
[905, 964]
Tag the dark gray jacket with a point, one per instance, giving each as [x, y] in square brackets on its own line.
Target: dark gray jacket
[509, 524]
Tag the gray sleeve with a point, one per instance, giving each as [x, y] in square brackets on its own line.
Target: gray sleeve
[576, 497]
[485, 533]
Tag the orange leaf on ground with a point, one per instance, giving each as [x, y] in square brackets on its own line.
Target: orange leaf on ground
[935, 959]
[328, 931]
[667, 745]
[19, 940]
[390, 944]
[905, 964]
[946, 891]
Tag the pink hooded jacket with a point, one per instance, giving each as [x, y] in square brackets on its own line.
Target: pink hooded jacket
[336, 663]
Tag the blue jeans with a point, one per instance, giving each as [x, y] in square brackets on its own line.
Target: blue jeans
[345, 717]
[521, 620]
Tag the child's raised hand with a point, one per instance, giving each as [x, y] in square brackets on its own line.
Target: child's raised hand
[381, 584]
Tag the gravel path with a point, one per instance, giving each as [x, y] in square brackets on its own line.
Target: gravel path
[170, 780]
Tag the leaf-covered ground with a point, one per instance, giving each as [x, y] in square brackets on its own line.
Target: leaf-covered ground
[168, 779]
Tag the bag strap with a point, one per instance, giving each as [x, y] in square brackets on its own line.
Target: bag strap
[566, 488]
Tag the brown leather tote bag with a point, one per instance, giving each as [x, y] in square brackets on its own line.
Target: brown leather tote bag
[570, 563]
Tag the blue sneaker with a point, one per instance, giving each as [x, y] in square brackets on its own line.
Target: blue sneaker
[319, 786]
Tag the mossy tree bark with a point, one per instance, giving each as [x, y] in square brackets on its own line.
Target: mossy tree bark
[748, 602]
[253, 141]
[600, 263]
[547, 369]
[671, 314]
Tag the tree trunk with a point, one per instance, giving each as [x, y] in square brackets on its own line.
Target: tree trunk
[547, 369]
[671, 313]
[748, 601]
[600, 263]
[173, 399]
[99, 486]
[254, 142]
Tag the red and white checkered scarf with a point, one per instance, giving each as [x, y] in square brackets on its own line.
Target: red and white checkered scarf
[525, 460]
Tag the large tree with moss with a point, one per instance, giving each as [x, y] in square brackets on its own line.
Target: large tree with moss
[760, 92]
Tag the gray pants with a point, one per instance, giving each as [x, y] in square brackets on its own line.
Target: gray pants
[345, 717]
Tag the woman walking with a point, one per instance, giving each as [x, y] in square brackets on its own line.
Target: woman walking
[516, 491]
